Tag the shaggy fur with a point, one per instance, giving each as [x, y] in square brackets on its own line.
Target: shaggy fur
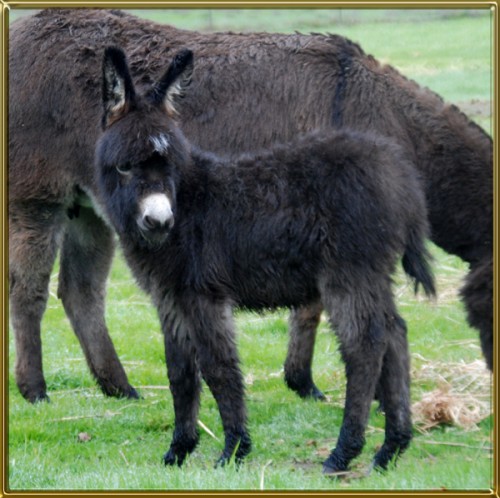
[322, 219]
[251, 90]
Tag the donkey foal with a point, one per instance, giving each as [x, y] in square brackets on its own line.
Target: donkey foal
[323, 219]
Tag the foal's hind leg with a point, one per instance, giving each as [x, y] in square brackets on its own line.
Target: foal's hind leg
[358, 316]
[34, 231]
[303, 324]
[394, 389]
[86, 255]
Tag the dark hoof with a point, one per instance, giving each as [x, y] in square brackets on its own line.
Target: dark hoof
[316, 394]
[170, 459]
[333, 466]
[181, 446]
[379, 467]
[382, 459]
[33, 392]
[239, 444]
[310, 392]
[330, 472]
[221, 462]
[118, 392]
[133, 394]
[40, 398]
[306, 391]
[301, 382]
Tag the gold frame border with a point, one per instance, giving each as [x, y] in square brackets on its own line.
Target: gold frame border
[6, 6]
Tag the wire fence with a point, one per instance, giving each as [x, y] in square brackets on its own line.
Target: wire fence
[223, 19]
[217, 19]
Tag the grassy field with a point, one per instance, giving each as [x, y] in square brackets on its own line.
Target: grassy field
[84, 441]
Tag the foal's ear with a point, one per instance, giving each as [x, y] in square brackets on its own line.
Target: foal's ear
[117, 87]
[173, 83]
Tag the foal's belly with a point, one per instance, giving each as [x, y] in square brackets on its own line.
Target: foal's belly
[267, 288]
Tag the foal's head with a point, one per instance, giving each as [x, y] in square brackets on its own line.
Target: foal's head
[141, 148]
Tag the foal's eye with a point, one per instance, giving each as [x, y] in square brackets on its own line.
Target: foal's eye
[124, 169]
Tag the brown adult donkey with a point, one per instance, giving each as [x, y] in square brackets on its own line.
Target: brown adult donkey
[249, 91]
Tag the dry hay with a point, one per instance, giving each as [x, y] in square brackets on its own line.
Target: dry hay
[462, 398]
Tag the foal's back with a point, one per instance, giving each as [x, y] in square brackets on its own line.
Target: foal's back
[335, 198]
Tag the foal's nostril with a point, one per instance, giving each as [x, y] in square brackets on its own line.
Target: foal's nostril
[151, 223]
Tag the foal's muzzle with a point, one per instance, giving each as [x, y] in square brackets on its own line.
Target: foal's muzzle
[155, 219]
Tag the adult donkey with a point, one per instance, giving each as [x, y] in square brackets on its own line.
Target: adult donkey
[251, 90]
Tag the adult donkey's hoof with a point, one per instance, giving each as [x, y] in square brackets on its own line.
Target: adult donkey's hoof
[302, 383]
[116, 391]
[38, 398]
[34, 391]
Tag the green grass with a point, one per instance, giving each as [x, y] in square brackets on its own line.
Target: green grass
[290, 437]
[128, 438]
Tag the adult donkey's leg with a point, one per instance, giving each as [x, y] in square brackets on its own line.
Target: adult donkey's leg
[34, 230]
[302, 329]
[303, 324]
[86, 255]
[477, 295]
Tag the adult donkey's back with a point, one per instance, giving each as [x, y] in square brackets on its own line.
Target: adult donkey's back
[252, 90]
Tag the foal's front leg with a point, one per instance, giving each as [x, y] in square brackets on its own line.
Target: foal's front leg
[213, 333]
[185, 387]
